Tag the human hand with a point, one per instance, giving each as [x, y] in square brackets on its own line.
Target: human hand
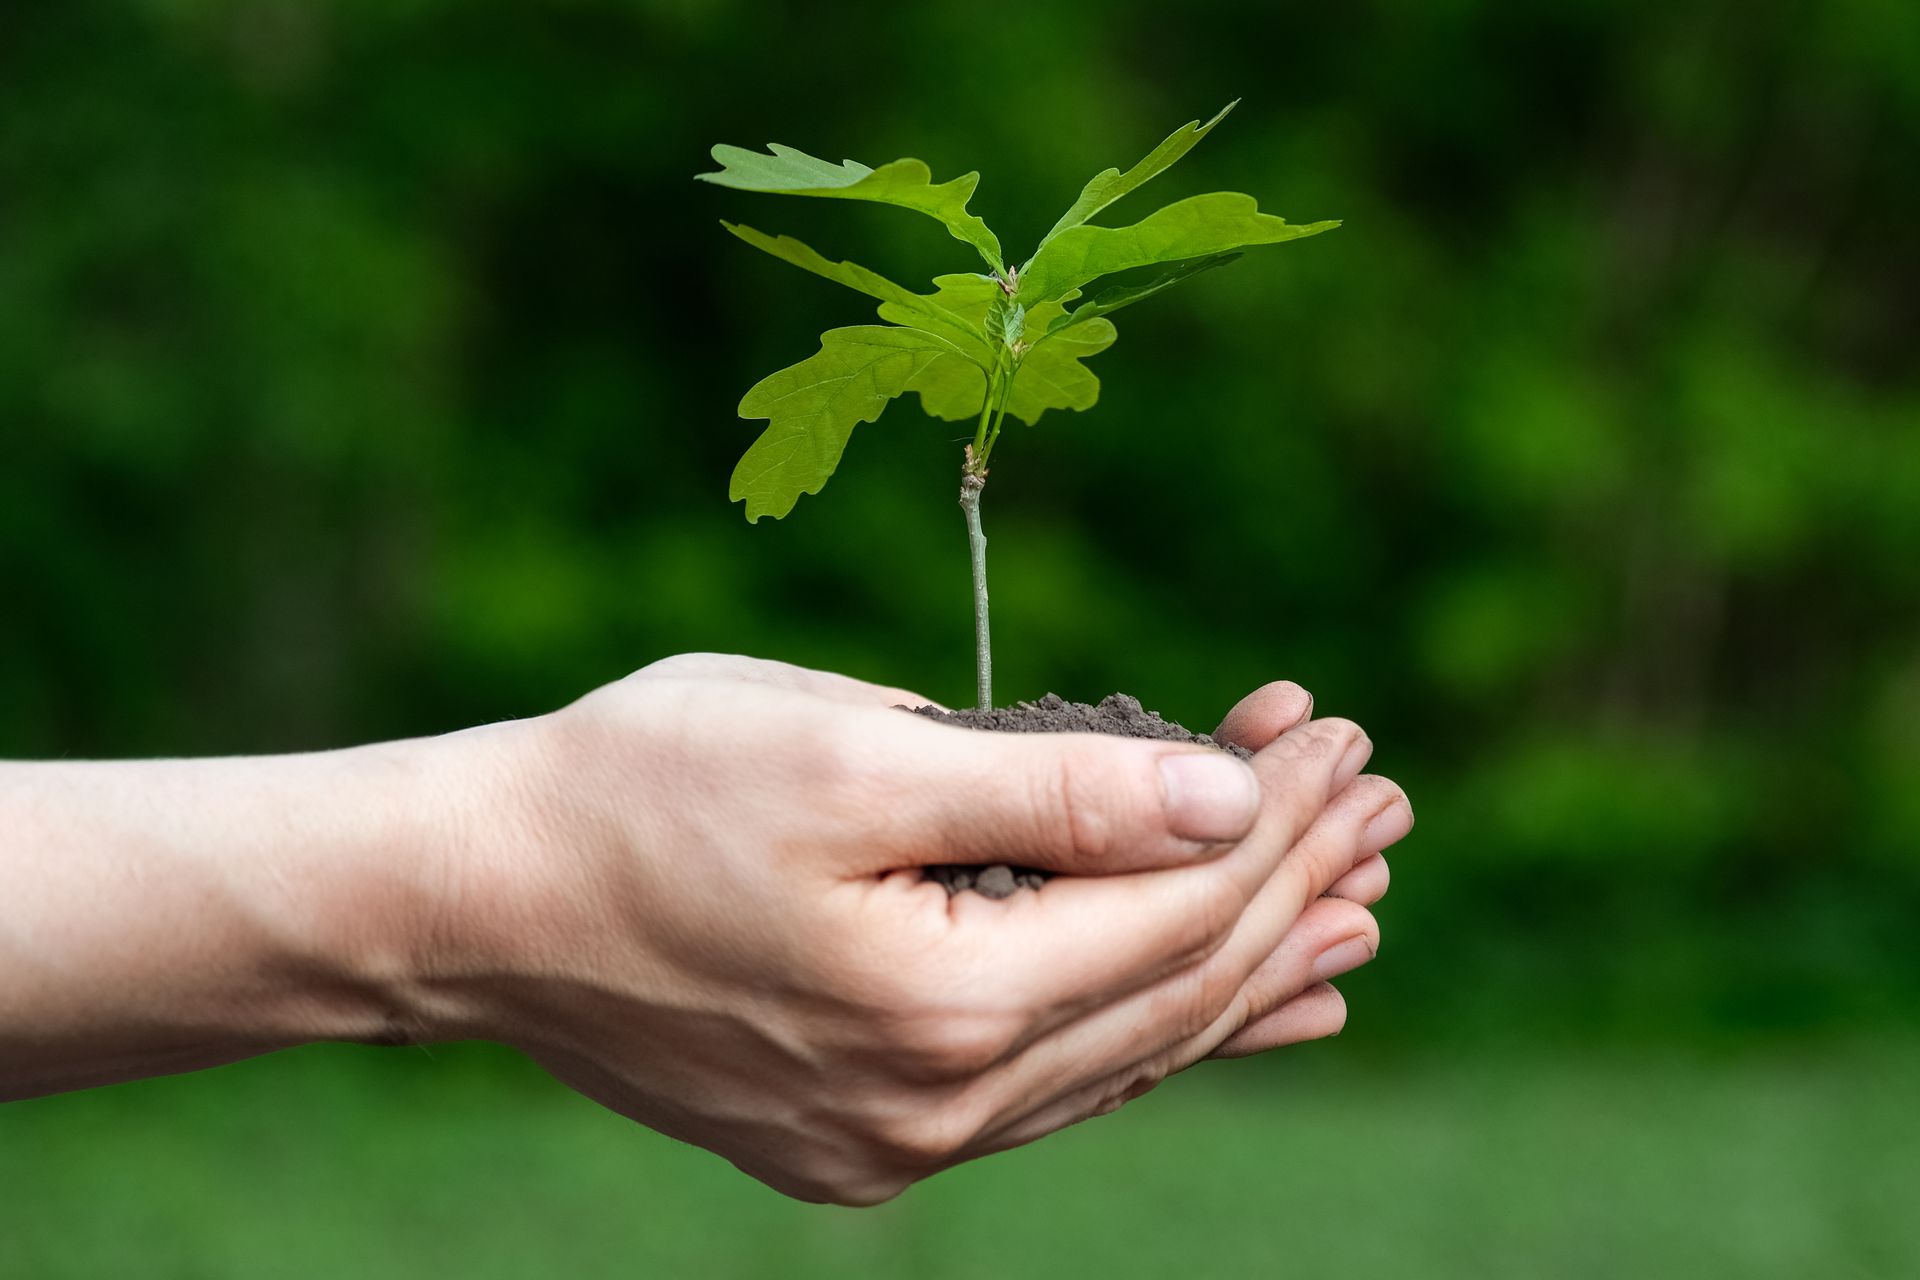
[701, 904]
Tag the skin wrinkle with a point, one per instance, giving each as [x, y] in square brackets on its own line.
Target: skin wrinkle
[694, 896]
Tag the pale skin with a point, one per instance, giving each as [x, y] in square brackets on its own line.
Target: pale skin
[694, 896]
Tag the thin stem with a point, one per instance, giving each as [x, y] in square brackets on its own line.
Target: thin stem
[999, 416]
[985, 451]
[973, 478]
[986, 413]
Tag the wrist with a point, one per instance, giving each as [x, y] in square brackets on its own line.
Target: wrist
[348, 904]
[169, 915]
[534, 873]
[414, 915]
[176, 914]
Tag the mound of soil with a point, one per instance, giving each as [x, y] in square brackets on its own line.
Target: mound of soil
[1116, 714]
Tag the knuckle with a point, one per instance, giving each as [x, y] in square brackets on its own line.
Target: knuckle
[1192, 1021]
[836, 1179]
[1280, 761]
[1140, 1085]
[1219, 987]
[925, 1139]
[833, 763]
[1208, 919]
[1222, 901]
[1336, 735]
[956, 1045]
[1088, 829]
[1327, 739]
[1073, 821]
[863, 1191]
[1317, 864]
[677, 664]
[1202, 998]
[1302, 766]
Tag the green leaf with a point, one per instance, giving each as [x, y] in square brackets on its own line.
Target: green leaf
[1191, 228]
[905, 183]
[1110, 184]
[951, 388]
[1051, 375]
[812, 408]
[963, 295]
[1108, 301]
[1006, 321]
[903, 305]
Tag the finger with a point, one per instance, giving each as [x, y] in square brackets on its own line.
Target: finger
[1084, 1103]
[1265, 714]
[1078, 803]
[1267, 919]
[1331, 938]
[1300, 774]
[1366, 884]
[1316, 1013]
[1045, 960]
[1183, 1016]
[1347, 832]
[1089, 804]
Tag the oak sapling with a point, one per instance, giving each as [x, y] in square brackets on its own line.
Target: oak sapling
[982, 345]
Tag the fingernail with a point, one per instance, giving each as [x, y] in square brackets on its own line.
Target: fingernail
[1342, 958]
[1304, 702]
[1209, 795]
[1390, 824]
[1352, 763]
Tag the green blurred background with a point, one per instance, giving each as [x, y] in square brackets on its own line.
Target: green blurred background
[368, 369]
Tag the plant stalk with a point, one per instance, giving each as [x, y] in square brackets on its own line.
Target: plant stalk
[979, 451]
[999, 416]
[973, 478]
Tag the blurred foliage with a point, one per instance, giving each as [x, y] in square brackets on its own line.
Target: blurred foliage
[357, 369]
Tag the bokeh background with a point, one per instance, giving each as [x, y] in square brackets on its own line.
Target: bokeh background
[368, 369]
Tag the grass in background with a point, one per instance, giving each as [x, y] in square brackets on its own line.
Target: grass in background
[1790, 1161]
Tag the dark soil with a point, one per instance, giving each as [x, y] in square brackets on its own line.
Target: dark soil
[1116, 714]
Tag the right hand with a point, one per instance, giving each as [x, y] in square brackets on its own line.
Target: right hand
[700, 903]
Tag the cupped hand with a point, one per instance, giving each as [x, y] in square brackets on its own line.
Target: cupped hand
[700, 902]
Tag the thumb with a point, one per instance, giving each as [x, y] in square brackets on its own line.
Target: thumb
[1083, 803]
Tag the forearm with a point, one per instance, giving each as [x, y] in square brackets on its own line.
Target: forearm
[167, 915]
